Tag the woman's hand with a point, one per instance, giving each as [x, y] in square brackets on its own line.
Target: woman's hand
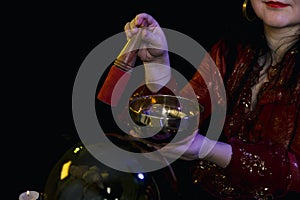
[196, 146]
[153, 49]
[154, 44]
[187, 149]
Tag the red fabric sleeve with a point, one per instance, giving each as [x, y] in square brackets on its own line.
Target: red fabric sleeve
[263, 165]
[294, 156]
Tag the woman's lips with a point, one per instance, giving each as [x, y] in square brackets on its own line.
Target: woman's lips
[276, 4]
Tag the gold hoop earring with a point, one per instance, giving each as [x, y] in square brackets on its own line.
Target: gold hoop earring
[244, 10]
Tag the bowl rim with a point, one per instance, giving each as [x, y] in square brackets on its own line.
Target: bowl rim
[200, 107]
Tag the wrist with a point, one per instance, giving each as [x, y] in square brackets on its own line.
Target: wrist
[214, 151]
[157, 75]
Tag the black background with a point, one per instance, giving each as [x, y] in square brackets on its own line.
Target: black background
[44, 44]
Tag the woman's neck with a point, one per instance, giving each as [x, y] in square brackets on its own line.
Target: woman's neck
[281, 39]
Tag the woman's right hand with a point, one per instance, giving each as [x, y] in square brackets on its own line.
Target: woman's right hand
[154, 44]
[153, 49]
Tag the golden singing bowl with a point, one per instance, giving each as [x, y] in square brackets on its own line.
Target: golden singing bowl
[167, 113]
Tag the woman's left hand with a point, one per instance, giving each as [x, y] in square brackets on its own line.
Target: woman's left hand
[197, 146]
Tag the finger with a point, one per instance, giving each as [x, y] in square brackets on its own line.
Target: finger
[133, 133]
[133, 27]
[144, 19]
[127, 30]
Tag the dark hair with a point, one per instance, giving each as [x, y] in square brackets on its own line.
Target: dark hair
[251, 34]
[296, 71]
